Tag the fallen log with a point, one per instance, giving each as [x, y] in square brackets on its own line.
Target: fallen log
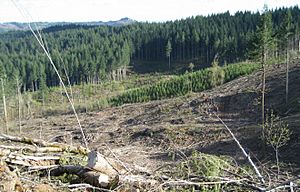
[33, 158]
[87, 175]
[41, 143]
[32, 149]
[97, 179]
[28, 161]
[100, 171]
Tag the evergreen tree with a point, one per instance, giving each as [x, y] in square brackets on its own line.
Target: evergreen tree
[90, 52]
[168, 52]
[264, 47]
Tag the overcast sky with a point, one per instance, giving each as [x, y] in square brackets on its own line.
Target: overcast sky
[140, 10]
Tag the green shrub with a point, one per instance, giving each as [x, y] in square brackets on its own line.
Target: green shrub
[205, 166]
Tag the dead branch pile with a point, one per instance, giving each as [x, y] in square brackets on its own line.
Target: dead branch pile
[95, 171]
[28, 154]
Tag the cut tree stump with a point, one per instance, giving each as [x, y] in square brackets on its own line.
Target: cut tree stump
[87, 175]
[100, 171]
[98, 162]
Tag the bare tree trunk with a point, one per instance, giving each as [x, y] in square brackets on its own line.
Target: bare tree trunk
[85, 96]
[4, 106]
[263, 89]
[69, 82]
[32, 86]
[61, 92]
[287, 78]
[24, 88]
[124, 72]
[113, 73]
[277, 161]
[43, 102]
[120, 74]
[207, 56]
[19, 105]
[36, 85]
[28, 106]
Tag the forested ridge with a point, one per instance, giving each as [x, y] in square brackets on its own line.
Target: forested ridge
[93, 54]
[186, 105]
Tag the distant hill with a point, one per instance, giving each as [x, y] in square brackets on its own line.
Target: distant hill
[15, 26]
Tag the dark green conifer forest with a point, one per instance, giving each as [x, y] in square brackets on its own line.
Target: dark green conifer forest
[90, 54]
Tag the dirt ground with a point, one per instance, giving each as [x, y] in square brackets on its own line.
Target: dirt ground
[146, 134]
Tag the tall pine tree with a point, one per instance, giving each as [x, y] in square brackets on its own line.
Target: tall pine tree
[264, 46]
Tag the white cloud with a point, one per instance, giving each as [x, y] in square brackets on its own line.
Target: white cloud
[142, 10]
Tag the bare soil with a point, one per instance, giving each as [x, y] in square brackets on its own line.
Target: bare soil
[158, 133]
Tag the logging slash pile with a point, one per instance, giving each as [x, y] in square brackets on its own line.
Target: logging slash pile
[35, 165]
[30, 160]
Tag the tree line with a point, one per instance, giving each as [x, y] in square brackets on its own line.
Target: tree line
[93, 54]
